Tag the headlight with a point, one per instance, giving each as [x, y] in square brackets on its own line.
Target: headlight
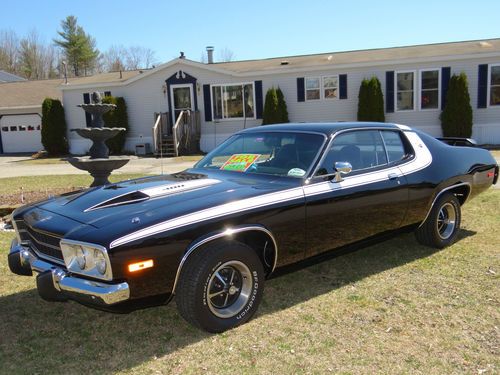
[86, 259]
[100, 261]
[80, 257]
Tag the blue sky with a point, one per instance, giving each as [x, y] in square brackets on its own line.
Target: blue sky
[255, 29]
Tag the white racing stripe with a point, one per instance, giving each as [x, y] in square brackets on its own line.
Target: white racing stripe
[422, 159]
[212, 213]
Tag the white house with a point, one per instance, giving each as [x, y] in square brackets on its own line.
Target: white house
[317, 88]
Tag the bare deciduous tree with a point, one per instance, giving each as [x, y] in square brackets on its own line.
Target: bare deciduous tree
[113, 59]
[122, 58]
[226, 55]
[9, 43]
[139, 57]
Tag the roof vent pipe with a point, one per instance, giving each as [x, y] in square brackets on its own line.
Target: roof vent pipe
[210, 54]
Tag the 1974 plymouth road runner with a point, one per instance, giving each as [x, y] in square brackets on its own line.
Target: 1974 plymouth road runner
[266, 198]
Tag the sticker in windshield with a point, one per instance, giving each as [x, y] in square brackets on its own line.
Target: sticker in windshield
[239, 162]
[296, 172]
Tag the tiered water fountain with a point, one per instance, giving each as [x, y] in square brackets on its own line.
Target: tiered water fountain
[99, 164]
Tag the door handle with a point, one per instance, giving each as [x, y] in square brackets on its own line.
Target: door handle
[392, 176]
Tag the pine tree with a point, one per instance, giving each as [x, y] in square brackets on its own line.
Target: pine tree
[456, 118]
[79, 47]
[54, 127]
[371, 101]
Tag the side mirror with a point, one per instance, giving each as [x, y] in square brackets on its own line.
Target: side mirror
[341, 167]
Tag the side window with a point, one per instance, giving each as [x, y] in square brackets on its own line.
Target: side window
[393, 145]
[363, 149]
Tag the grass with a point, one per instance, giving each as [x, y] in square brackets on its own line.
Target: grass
[396, 307]
[45, 184]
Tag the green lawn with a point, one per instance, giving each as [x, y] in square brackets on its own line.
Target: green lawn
[396, 307]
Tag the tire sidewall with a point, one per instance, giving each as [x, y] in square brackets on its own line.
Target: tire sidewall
[236, 252]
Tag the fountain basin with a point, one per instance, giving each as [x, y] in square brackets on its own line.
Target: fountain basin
[100, 169]
[98, 134]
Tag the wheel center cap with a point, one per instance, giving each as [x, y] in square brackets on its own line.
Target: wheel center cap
[232, 290]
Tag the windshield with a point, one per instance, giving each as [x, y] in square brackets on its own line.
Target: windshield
[275, 153]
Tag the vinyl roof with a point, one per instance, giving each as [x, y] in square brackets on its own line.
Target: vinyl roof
[29, 93]
[319, 127]
[365, 56]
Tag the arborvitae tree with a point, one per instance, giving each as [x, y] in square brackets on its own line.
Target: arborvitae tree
[117, 118]
[282, 114]
[54, 127]
[270, 115]
[371, 101]
[456, 118]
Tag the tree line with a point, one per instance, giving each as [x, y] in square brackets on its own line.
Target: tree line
[73, 52]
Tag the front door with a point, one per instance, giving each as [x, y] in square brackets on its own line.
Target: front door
[182, 99]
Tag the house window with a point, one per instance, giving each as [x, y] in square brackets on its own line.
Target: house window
[429, 89]
[233, 101]
[405, 91]
[495, 85]
[313, 89]
[330, 87]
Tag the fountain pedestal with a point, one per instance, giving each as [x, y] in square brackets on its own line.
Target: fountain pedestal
[99, 164]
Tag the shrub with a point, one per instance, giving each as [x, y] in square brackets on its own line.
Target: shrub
[117, 118]
[282, 110]
[371, 101]
[456, 118]
[275, 110]
[53, 131]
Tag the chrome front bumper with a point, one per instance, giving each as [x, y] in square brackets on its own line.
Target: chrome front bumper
[62, 285]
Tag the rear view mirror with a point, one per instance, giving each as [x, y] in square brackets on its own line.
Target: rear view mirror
[340, 168]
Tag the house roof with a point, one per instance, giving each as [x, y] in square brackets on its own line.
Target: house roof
[366, 56]
[9, 77]
[371, 57]
[29, 93]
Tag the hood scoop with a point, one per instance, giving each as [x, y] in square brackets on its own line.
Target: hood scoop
[153, 192]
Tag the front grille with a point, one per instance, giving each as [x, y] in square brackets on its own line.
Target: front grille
[43, 243]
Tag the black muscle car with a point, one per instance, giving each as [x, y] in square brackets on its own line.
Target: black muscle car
[266, 198]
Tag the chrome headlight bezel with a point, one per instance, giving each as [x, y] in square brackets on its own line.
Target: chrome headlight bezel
[70, 248]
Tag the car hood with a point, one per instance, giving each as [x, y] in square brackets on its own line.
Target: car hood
[162, 197]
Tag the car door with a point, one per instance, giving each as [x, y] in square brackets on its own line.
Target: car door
[371, 199]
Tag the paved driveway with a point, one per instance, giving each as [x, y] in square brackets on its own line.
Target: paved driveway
[13, 166]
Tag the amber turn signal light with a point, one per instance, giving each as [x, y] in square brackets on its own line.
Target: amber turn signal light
[133, 267]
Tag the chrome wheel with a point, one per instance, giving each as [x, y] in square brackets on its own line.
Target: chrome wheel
[446, 221]
[229, 289]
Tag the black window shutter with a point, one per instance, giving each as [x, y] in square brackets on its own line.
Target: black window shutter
[88, 116]
[343, 86]
[206, 102]
[482, 86]
[389, 92]
[301, 90]
[445, 80]
[107, 93]
[259, 103]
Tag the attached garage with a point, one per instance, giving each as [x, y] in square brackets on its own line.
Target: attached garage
[21, 113]
[21, 133]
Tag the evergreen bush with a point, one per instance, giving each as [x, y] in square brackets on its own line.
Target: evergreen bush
[117, 118]
[371, 101]
[282, 114]
[53, 131]
[275, 110]
[456, 118]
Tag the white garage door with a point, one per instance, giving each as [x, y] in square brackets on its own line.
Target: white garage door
[21, 133]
